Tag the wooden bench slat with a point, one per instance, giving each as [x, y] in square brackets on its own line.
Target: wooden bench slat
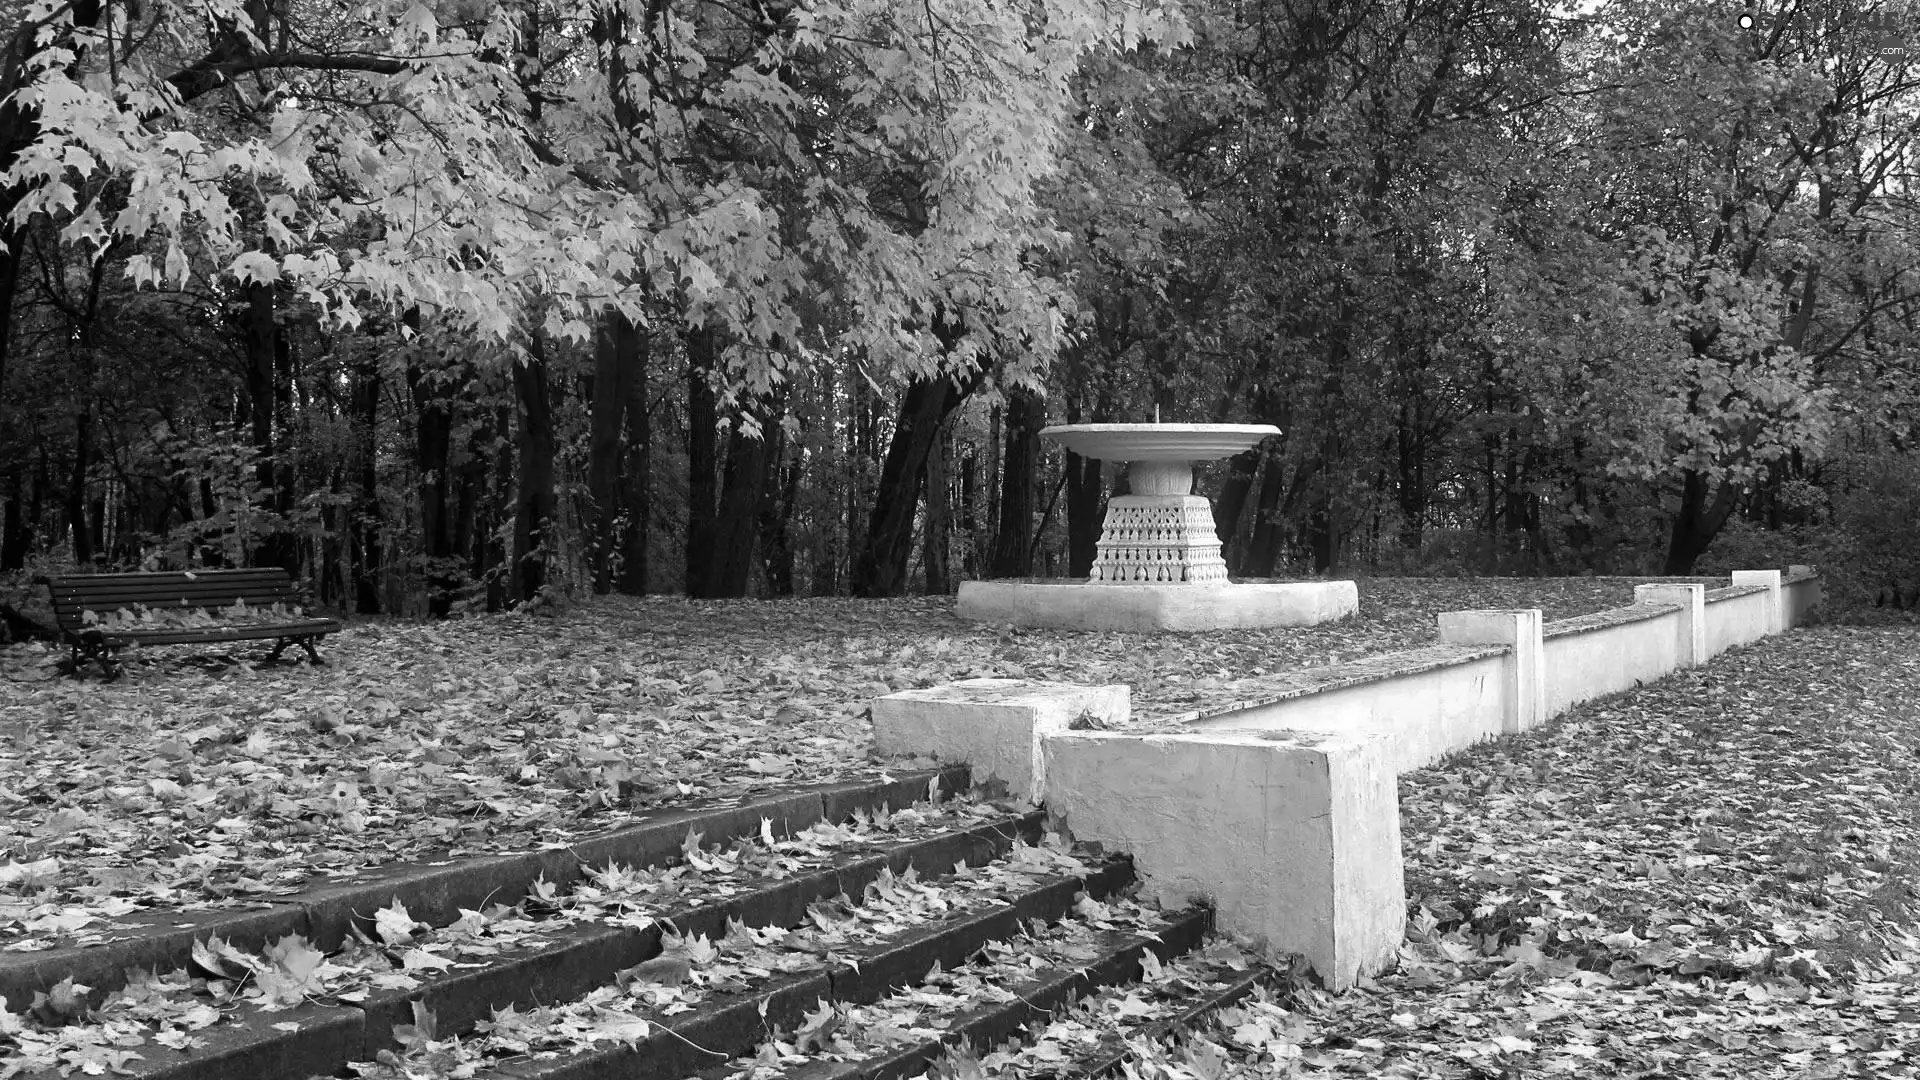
[211, 591]
[140, 588]
[105, 602]
[188, 635]
[206, 573]
[216, 585]
[175, 585]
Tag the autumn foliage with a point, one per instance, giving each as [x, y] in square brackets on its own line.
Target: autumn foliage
[455, 303]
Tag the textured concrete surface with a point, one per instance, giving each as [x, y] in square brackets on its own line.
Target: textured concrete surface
[1691, 599]
[1519, 630]
[1588, 657]
[1424, 715]
[1774, 582]
[993, 725]
[1077, 605]
[1295, 838]
[1736, 616]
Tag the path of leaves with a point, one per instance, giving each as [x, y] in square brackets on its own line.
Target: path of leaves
[1714, 876]
[188, 784]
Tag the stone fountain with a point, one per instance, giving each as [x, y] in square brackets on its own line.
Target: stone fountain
[1158, 564]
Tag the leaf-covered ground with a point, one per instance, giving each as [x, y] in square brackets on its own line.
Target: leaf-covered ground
[190, 783]
[1711, 876]
[1714, 876]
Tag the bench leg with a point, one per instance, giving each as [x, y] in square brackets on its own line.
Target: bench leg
[87, 649]
[305, 642]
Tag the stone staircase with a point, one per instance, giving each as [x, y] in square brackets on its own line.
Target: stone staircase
[859, 930]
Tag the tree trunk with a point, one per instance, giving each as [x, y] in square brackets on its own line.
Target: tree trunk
[776, 515]
[433, 441]
[619, 362]
[366, 509]
[1266, 543]
[1013, 542]
[612, 368]
[729, 552]
[15, 532]
[1323, 528]
[1085, 491]
[498, 519]
[969, 513]
[261, 335]
[937, 537]
[468, 544]
[635, 535]
[77, 489]
[534, 499]
[990, 484]
[12, 243]
[702, 453]
[1698, 522]
[16, 536]
[1084, 520]
[1231, 503]
[882, 566]
[1411, 475]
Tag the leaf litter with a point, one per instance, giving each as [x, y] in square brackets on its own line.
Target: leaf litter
[223, 982]
[1710, 876]
[188, 785]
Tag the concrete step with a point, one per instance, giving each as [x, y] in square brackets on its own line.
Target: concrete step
[435, 891]
[1101, 992]
[755, 984]
[556, 941]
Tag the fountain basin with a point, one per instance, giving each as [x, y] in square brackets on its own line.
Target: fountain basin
[1072, 604]
[1158, 564]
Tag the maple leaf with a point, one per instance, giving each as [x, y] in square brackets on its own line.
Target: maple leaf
[670, 968]
[393, 925]
[29, 875]
[423, 960]
[65, 1001]
[816, 1030]
[415, 1037]
[291, 973]
[958, 1064]
[618, 1027]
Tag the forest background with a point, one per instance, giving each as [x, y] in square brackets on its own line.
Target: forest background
[459, 303]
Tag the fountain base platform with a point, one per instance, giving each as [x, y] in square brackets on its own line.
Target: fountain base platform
[1073, 604]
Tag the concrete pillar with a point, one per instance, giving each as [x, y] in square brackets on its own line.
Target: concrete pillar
[1520, 630]
[1771, 579]
[1692, 601]
[994, 725]
[1294, 837]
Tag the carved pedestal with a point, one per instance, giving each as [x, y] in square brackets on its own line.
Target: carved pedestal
[1158, 539]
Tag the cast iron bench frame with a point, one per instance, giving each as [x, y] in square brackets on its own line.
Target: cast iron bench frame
[178, 590]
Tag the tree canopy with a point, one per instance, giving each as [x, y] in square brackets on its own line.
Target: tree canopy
[475, 301]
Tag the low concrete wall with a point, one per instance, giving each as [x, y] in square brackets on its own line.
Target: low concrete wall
[1282, 810]
[1294, 838]
[1801, 593]
[1737, 615]
[1429, 702]
[1610, 651]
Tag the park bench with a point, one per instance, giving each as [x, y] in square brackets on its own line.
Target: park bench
[99, 614]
